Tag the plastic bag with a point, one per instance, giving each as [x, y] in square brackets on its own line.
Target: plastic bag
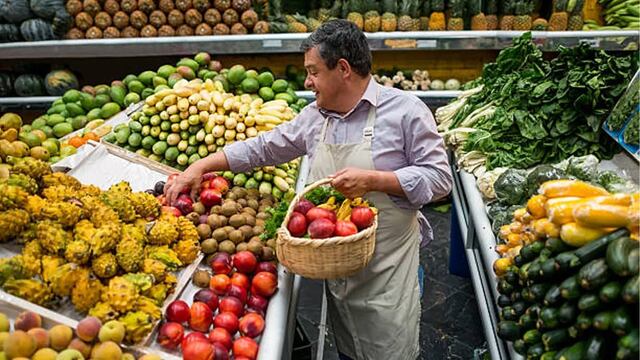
[583, 167]
[511, 187]
[542, 173]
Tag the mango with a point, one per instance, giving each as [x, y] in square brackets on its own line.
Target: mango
[10, 121]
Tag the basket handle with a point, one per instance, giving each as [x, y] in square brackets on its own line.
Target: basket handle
[298, 196]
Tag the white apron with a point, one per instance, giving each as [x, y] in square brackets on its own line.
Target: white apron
[375, 314]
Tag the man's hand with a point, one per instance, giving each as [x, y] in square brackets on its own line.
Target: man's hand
[353, 182]
[189, 179]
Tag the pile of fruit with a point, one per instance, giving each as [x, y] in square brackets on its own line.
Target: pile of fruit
[33, 20]
[148, 18]
[414, 80]
[55, 83]
[92, 340]
[112, 253]
[324, 213]
[230, 308]
[568, 275]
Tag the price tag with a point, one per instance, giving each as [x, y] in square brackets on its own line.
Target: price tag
[272, 43]
[427, 44]
[400, 43]
[594, 43]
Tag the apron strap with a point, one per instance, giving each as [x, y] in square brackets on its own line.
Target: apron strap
[323, 132]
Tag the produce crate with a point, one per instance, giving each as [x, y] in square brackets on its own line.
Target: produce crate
[621, 109]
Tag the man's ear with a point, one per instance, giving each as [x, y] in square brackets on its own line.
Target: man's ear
[344, 68]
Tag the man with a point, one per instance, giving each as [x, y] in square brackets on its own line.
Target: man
[375, 142]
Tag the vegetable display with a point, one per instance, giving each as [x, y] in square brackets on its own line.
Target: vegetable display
[568, 274]
[631, 133]
[618, 15]
[525, 110]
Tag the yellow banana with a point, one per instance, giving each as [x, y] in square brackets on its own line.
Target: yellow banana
[345, 210]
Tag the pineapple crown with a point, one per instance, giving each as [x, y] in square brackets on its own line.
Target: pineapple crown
[415, 9]
[406, 7]
[372, 5]
[357, 6]
[437, 5]
[575, 7]
[507, 7]
[561, 5]
[457, 7]
[426, 8]
[474, 6]
[523, 8]
[491, 7]
[275, 8]
[335, 8]
[390, 6]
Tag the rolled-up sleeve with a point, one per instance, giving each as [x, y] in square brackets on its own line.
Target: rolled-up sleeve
[428, 175]
[284, 143]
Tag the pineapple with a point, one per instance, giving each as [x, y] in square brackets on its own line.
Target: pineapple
[522, 20]
[356, 9]
[372, 16]
[415, 16]
[491, 14]
[324, 13]
[404, 21]
[389, 21]
[559, 19]
[575, 19]
[478, 19]
[539, 24]
[456, 12]
[506, 22]
[424, 15]
[437, 20]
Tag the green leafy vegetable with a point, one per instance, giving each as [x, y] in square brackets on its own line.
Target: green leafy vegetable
[511, 186]
[321, 194]
[272, 224]
[632, 131]
[583, 167]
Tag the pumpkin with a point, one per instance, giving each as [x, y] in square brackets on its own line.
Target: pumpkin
[57, 82]
[15, 11]
[62, 22]
[6, 84]
[29, 85]
[36, 30]
[46, 9]
[9, 33]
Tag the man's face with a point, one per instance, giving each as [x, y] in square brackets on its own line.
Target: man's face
[324, 82]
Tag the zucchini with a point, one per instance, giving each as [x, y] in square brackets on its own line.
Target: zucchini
[622, 321]
[533, 273]
[595, 348]
[564, 261]
[504, 300]
[527, 322]
[589, 302]
[554, 338]
[532, 250]
[570, 288]
[504, 287]
[567, 313]
[535, 351]
[538, 291]
[532, 337]
[628, 345]
[548, 318]
[534, 310]
[583, 321]
[597, 248]
[556, 245]
[618, 253]
[549, 355]
[516, 296]
[594, 274]
[519, 261]
[523, 272]
[527, 295]
[610, 292]
[508, 330]
[548, 269]
[520, 347]
[508, 313]
[602, 320]
[511, 276]
[552, 297]
[574, 332]
[519, 307]
[630, 290]
[574, 352]
[633, 261]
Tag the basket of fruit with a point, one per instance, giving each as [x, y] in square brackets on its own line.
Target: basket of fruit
[324, 235]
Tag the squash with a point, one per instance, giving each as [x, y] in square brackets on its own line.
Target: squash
[29, 85]
[577, 235]
[57, 82]
[36, 30]
[9, 33]
[15, 11]
[561, 213]
[562, 188]
[6, 84]
[62, 22]
[46, 9]
[535, 206]
[598, 215]
[618, 253]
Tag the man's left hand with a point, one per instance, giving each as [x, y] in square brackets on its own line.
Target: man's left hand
[353, 182]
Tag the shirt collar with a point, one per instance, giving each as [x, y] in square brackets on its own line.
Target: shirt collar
[370, 95]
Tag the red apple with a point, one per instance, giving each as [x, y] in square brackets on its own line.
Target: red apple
[221, 336]
[297, 225]
[184, 204]
[208, 297]
[268, 267]
[264, 284]
[170, 335]
[362, 217]
[220, 284]
[258, 302]
[221, 263]
[321, 228]
[245, 262]
[198, 350]
[227, 321]
[245, 346]
[238, 292]
[178, 311]
[221, 184]
[171, 210]
[201, 317]
[231, 304]
[241, 280]
[205, 185]
[191, 337]
[345, 228]
[251, 325]
[320, 213]
[220, 352]
[209, 176]
[303, 206]
[210, 197]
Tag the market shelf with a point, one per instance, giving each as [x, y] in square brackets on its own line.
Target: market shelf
[290, 43]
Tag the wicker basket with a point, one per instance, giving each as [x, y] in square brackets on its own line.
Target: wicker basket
[331, 258]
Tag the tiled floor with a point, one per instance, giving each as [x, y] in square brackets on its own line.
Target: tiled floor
[450, 327]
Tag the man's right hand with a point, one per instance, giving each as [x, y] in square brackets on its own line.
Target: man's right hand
[189, 179]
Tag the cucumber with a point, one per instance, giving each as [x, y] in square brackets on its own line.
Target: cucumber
[520, 347]
[594, 274]
[597, 248]
[602, 320]
[610, 292]
[570, 288]
[532, 337]
[630, 290]
[538, 291]
[508, 330]
[548, 318]
[567, 313]
[554, 338]
[535, 351]
[548, 269]
[589, 302]
[595, 348]
[633, 262]
[622, 321]
[527, 322]
[583, 321]
[552, 297]
[532, 250]
[504, 300]
[556, 245]
[618, 253]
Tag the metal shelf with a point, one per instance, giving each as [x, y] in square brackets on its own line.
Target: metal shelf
[290, 43]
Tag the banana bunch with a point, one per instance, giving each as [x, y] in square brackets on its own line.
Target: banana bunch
[344, 211]
[618, 15]
[269, 115]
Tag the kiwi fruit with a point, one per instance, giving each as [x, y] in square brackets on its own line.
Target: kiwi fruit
[253, 193]
[255, 247]
[237, 220]
[247, 231]
[263, 208]
[236, 236]
[253, 204]
[194, 218]
[250, 219]
[198, 207]
[229, 208]
[267, 254]
[214, 221]
[227, 246]
[216, 209]
[219, 234]
[241, 247]
[223, 220]
[209, 246]
[232, 196]
[204, 230]
[239, 207]
[263, 216]
[260, 222]
[249, 210]
[201, 278]
[255, 238]
[242, 202]
[271, 243]
[258, 230]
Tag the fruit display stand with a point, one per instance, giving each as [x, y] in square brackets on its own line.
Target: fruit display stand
[480, 244]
